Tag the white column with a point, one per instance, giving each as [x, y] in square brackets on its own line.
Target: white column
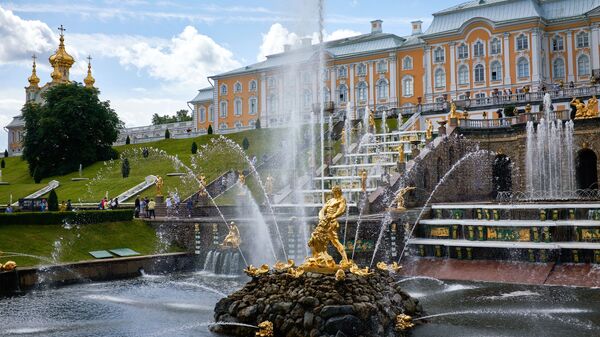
[216, 107]
[571, 67]
[371, 85]
[535, 55]
[546, 44]
[263, 101]
[332, 75]
[452, 69]
[595, 44]
[428, 79]
[507, 60]
[351, 85]
[393, 79]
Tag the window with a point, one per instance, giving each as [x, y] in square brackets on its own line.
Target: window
[326, 94]
[342, 72]
[361, 90]
[463, 75]
[558, 43]
[252, 123]
[583, 65]
[271, 82]
[223, 112]
[479, 73]
[495, 46]
[223, 89]
[361, 69]
[223, 126]
[438, 55]
[440, 99]
[237, 107]
[238, 125]
[408, 86]
[382, 89]
[407, 63]
[496, 68]
[463, 52]
[382, 66]
[343, 93]
[478, 50]
[237, 87]
[479, 97]
[253, 105]
[307, 98]
[202, 114]
[523, 68]
[211, 113]
[583, 40]
[440, 78]
[522, 44]
[252, 85]
[558, 68]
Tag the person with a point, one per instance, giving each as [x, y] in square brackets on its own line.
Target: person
[136, 212]
[114, 203]
[169, 204]
[151, 206]
[69, 205]
[190, 207]
[62, 207]
[571, 85]
[8, 209]
[43, 205]
[147, 202]
[143, 205]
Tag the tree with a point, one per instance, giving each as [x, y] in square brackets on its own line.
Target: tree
[257, 125]
[180, 116]
[5, 153]
[210, 130]
[37, 178]
[167, 134]
[128, 140]
[194, 148]
[53, 201]
[73, 126]
[2, 164]
[245, 144]
[125, 168]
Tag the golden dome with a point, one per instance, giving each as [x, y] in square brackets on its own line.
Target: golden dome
[61, 57]
[56, 75]
[33, 79]
[89, 79]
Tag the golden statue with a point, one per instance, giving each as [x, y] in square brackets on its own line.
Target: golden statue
[340, 275]
[253, 271]
[400, 149]
[343, 138]
[371, 119]
[269, 185]
[581, 109]
[265, 329]
[202, 185]
[326, 232]
[363, 180]
[528, 108]
[295, 272]
[465, 114]
[429, 130]
[354, 269]
[592, 107]
[233, 239]
[9, 266]
[280, 266]
[404, 322]
[453, 110]
[394, 267]
[159, 186]
[400, 197]
[241, 178]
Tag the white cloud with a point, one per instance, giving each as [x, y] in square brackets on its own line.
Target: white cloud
[278, 35]
[11, 102]
[139, 111]
[20, 38]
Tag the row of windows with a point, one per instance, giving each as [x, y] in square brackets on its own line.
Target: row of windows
[439, 54]
[361, 69]
[479, 73]
[582, 41]
[583, 67]
[237, 87]
[382, 87]
[237, 125]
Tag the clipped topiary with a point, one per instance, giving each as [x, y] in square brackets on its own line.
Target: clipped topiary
[52, 201]
[210, 130]
[167, 134]
[194, 148]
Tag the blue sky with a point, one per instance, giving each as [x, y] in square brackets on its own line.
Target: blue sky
[151, 56]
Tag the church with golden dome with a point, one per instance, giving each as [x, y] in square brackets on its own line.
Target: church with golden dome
[61, 63]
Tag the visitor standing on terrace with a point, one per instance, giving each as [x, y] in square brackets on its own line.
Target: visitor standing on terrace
[137, 207]
[151, 206]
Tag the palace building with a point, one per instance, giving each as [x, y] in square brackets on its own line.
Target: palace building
[471, 53]
[61, 63]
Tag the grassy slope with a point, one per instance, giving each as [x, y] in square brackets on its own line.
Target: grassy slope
[76, 242]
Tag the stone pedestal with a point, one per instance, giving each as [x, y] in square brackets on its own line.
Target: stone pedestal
[442, 130]
[160, 199]
[400, 167]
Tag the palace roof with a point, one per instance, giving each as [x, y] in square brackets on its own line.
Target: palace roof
[205, 94]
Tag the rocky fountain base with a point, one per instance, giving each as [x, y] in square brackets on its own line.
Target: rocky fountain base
[314, 304]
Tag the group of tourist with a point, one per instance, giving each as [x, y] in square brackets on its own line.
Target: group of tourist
[144, 207]
[108, 204]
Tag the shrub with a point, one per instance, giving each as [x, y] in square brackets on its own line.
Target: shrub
[125, 169]
[194, 148]
[210, 130]
[5, 153]
[257, 125]
[58, 218]
[127, 140]
[167, 134]
[509, 110]
[53, 201]
[245, 144]
[2, 164]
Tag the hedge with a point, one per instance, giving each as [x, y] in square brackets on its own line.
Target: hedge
[58, 218]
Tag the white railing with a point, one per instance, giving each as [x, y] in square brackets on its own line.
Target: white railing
[51, 185]
[149, 181]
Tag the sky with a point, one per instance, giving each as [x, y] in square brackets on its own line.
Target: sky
[152, 56]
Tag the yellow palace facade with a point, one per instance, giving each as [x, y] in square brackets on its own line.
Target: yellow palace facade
[474, 50]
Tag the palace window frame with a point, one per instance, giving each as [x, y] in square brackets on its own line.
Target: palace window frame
[440, 78]
[202, 113]
[439, 55]
[522, 42]
[496, 71]
[223, 89]
[408, 86]
[558, 69]
[463, 75]
[223, 109]
[382, 66]
[583, 65]
[462, 51]
[523, 71]
[558, 43]
[252, 105]
[407, 63]
[583, 40]
[361, 69]
[342, 72]
[478, 49]
[252, 86]
[237, 87]
[495, 46]
[479, 73]
[362, 91]
[383, 87]
[342, 93]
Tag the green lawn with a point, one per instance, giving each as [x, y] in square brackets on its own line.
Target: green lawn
[106, 177]
[76, 242]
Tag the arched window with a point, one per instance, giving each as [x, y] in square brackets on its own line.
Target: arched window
[583, 65]
[382, 88]
[382, 66]
[202, 114]
[407, 63]
[558, 43]
[223, 126]
[463, 52]
[326, 94]
[237, 107]
[495, 46]
[558, 68]
[523, 68]
[439, 55]
[463, 75]
[479, 73]
[496, 71]
[252, 85]
[522, 42]
[478, 49]
[361, 91]
[237, 87]
[223, 109]
[223, 89]
[440, 78]
[238, 125]
[408, 87]
[307, 98]
[583, 40]
[342, 93]
[361, 69]
[342, 71]
[253, 105]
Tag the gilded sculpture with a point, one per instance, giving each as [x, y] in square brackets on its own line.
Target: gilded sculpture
[429, 130]
[254, 272]
[233, 238]
[9, 266]
[394, 267]
[404, 322]
[400, 198]
[265, 329]
[453, 110]
[400, 149]
[340, 275]
[581, 109]
[159, 185]
[363, 180]
[343, 137]
[202, 185]
[281, 266]
[371, 119]
[592, 108]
